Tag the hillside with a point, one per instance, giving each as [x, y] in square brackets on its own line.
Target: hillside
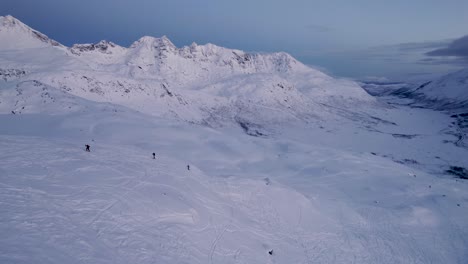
[301, 195]
[449, 92]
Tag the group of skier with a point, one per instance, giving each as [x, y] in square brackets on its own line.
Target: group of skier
[87, 148]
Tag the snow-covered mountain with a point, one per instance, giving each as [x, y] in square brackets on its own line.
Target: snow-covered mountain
[197, 83]
[16, 35]
[449, 92]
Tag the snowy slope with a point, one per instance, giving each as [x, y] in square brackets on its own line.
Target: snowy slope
[301, 195]
[453, 86]
[449, 92]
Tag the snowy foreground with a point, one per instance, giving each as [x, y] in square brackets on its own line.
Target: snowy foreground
[312, 195]
[286, 164]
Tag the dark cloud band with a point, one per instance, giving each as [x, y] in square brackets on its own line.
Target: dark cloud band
[458, 48]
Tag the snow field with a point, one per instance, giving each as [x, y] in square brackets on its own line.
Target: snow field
[242, 197]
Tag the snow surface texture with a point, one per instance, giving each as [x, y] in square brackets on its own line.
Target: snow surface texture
[282, 159]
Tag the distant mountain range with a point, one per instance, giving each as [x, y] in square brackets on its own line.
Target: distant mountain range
[198, 83]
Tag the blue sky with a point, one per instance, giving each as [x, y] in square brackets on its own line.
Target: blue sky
[357, 38]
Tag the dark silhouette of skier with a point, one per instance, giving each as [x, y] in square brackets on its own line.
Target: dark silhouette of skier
[87, 148]
[154, 155]
[188, 167]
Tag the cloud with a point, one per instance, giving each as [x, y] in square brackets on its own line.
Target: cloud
[318, 28]
[442, 52]
[375, 79]
[402, 61]
[457, 61]
[458, 48]
[412, 51]
[422, 46]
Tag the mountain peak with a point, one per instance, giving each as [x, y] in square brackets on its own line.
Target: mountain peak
[17, 35]
[148, 41]
[10, 21]
[102, 46]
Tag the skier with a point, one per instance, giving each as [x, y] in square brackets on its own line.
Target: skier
[188, 167]
[154, 155]
[87, 148]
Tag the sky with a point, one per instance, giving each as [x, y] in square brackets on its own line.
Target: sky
[397, 39]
